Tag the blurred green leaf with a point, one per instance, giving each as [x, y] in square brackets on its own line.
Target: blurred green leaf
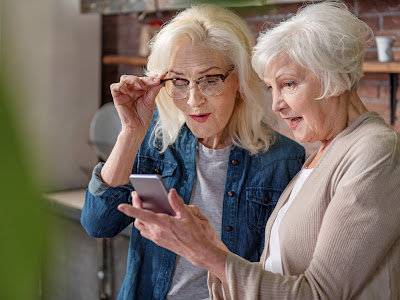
[21, 222]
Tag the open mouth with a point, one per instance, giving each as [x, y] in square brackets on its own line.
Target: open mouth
[294, 121]
[200, 118]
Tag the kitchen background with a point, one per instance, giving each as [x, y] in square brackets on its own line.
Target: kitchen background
[383, 16]
[60, 58]
[62, 49]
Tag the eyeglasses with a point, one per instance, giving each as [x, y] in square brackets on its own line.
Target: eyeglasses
[209, 85]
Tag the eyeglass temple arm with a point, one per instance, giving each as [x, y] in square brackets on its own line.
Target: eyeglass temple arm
[227, 73]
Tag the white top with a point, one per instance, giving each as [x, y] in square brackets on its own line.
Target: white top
[188, 280]
[274, 261]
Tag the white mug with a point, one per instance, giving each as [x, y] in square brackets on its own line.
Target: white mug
[384, 44]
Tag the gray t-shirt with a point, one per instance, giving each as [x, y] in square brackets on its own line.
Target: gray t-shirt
[208, 195]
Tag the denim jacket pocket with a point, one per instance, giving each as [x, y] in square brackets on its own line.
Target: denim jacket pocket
[259, 206]
[150, 165]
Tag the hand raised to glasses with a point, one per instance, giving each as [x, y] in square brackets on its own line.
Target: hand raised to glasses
[188, 233]
[134, 99]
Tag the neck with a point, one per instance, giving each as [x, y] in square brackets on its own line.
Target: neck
[215, 143]
[355, 108]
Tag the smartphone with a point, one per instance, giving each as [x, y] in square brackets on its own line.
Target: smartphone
[152, 191]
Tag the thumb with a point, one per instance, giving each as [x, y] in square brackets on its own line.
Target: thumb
[151, 95]
[176, 203]
[152, 92]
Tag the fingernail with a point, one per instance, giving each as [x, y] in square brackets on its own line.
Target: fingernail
[157, 77]
[174, 192]
[121, 208]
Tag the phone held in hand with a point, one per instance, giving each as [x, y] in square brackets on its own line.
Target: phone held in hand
[152, 191]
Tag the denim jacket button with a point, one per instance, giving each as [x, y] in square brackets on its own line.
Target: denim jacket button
[228, 228]
[231, 194]
[234, 162]
[266, 199]
[157, 171]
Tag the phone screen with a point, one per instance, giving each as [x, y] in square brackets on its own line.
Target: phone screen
[152, 191]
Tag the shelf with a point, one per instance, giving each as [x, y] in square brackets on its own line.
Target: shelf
[369, 66]
[130, 60]
[378, 67]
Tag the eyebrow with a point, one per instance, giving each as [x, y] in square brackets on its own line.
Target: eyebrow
[283, 74]
[202, 72]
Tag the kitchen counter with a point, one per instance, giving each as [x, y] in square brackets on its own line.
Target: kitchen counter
[80, 267]
[70, 204]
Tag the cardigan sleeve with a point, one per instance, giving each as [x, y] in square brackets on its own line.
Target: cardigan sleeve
[360, 226]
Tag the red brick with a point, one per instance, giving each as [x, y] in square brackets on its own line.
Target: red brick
[164, 17]
[396, 125]
[109, 19]
[370, 6]
[109, 43]
[257, 26]
[372, 22]
[396, 55]
[128, 19]
[374, 77]
[251, 11]
[123, 32]
[384, 93]
[370, 55]
[367, 91]
[280, 9]
[391, 23]
[383, 109]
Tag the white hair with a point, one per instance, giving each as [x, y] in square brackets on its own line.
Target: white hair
[225, 32]
[325, 38]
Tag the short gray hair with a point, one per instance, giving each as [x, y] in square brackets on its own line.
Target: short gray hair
[325, 38]
[225, 32]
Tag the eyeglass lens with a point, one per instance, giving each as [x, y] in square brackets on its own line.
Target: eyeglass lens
[179, 89]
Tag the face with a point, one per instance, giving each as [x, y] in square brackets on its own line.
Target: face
[294, 90]
[206, 116]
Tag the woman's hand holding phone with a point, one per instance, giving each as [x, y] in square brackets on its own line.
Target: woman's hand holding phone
[188, 233]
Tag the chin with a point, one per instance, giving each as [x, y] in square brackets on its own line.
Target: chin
[200, 133]
[301, 138]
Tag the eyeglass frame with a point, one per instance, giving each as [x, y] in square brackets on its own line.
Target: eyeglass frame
[221, 76]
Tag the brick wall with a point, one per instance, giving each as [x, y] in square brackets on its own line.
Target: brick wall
[120, 35]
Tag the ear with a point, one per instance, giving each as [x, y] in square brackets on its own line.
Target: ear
[238, 94]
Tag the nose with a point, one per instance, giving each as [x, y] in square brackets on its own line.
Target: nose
[196, 97]
[277, 102]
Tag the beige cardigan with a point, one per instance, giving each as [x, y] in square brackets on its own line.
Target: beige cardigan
[340, 238]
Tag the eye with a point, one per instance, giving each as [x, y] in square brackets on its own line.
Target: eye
[179, 83]
[209, 81]
[289, 84]
[269, 88]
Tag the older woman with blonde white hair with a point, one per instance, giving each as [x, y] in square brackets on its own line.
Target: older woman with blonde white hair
[210, 138]
[335, 232]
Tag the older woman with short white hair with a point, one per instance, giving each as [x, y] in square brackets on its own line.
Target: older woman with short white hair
[211, 139]
[335, 232]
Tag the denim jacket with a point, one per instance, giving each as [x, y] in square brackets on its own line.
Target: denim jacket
[252, 189]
